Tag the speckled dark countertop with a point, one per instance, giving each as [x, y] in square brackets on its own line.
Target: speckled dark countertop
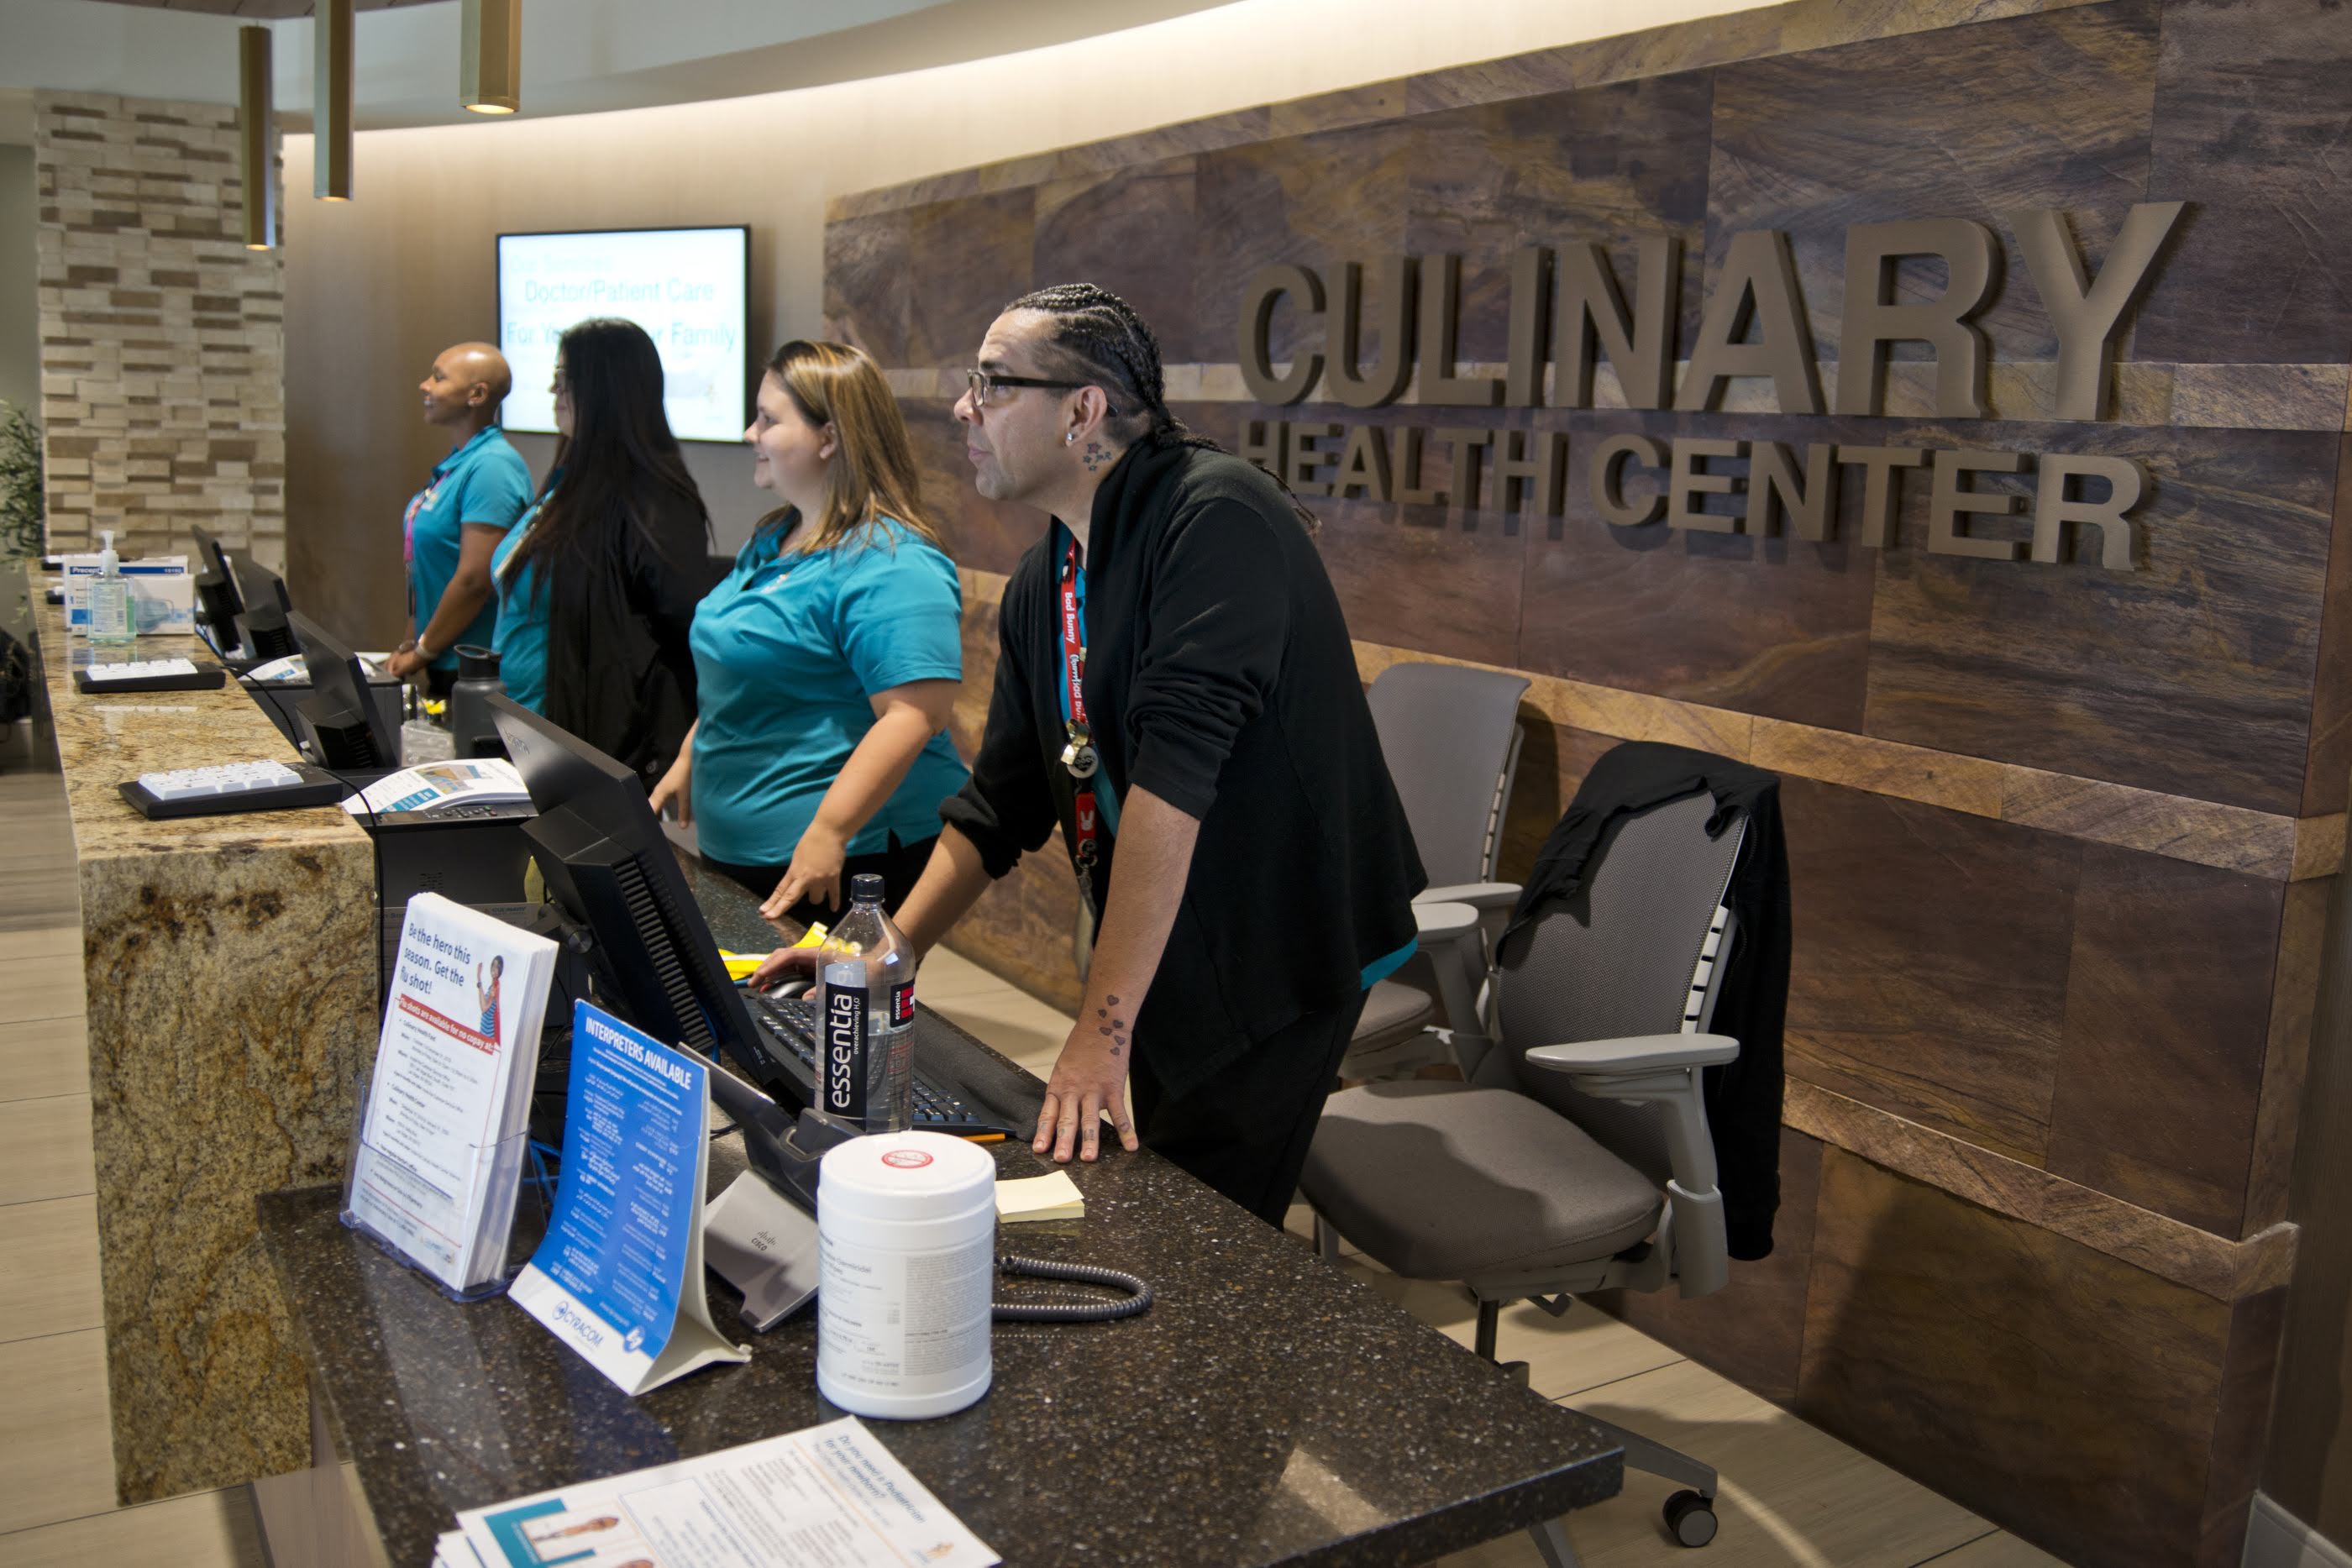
[1266, 1410]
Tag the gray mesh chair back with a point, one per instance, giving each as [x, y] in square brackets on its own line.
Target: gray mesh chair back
[1622, 957]
[1451, 737]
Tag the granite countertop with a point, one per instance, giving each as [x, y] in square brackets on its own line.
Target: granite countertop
[105, 739]
[1266, 1410]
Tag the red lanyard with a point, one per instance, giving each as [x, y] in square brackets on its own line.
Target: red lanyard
[1079, 755]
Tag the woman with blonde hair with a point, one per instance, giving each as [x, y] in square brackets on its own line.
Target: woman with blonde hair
[827, 661]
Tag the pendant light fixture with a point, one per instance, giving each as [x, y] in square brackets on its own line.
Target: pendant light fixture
[253, 139]
[490, 73]
[331, 101]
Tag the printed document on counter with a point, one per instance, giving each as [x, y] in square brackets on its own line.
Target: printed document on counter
[826, 1497]
[438, 1159]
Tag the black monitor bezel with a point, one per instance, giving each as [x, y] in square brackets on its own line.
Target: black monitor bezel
[339, 681]
[565, 776]
[217, 577]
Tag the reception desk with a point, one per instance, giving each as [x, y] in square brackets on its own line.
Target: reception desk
[230, 971]
[1267, 1408]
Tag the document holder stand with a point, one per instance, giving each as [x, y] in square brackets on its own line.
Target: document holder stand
[764, 1244]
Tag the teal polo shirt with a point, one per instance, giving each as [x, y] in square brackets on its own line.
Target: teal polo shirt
[786, 652]
[484, 483]
[521, 610]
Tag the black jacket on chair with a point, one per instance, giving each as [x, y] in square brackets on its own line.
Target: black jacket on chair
[1743, 1098]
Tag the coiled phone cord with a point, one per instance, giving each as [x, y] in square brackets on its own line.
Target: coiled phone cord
[1071, 1312]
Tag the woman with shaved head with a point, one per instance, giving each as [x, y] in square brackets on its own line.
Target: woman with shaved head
[455, 522]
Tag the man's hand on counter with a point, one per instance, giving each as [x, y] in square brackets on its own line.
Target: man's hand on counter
[404, 661]
[1089, 1082]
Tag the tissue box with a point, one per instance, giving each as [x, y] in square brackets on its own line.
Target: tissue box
[162, 595]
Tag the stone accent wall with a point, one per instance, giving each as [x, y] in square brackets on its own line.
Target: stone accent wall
[163, 338]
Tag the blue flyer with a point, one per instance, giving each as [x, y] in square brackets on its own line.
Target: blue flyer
[619, 1275]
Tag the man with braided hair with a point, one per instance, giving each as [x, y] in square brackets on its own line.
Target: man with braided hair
[1177, 690]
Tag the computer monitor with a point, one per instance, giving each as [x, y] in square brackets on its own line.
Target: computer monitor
[264, 631]
[218, 604]
[339, 724]
[606, 862]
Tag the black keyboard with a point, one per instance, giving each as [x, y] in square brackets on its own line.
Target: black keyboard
[792, 1022]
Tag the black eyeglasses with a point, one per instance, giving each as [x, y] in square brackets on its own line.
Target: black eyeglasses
[986, 383]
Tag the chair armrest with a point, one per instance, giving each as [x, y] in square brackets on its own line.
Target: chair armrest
[1477, 895]
[1443, 922]
[1636, 1054]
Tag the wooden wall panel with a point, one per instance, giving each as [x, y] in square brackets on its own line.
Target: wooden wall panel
[963, 261]
[1303, 199]
[1136, 232]
[866, 284]
[2250, 104]
[2193, 677]
[2074, 1394]
[1606, 164]
[2330, 763]
[1928, 976]
[1969, 122]
[1787, 630]
[2167, 992]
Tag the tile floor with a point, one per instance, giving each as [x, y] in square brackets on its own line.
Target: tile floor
[1792, 1495]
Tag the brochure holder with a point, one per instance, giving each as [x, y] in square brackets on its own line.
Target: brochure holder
[436, 1161]
[500, 1168]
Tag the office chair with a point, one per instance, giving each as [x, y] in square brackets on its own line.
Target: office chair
[1450, 739]
[1576, 1156]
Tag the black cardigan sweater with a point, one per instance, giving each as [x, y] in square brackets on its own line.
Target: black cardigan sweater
[1219, 676]
[619, 673]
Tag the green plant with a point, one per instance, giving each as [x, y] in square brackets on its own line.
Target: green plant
[21, 507]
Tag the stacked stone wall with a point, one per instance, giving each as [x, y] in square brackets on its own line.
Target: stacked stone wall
[161, 337]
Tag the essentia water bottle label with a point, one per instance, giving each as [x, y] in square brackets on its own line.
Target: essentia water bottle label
[902, 1004]
[844, 1029]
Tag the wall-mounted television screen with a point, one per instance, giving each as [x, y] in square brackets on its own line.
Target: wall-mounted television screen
[686, 287]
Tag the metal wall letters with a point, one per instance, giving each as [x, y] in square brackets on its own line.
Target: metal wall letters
[1570, 312]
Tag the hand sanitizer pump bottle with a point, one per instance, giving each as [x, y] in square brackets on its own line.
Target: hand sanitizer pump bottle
[109, 599]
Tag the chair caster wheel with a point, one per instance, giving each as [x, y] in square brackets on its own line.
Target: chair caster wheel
[1691, 1518]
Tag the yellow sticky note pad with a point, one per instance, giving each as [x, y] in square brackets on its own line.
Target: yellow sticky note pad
[1051, 1196]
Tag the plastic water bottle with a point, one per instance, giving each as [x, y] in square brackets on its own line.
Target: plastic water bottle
[109, 599]
[865, 1014]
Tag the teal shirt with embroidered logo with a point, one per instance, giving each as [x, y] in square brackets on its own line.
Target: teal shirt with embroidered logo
[483, 483]
[787, 650]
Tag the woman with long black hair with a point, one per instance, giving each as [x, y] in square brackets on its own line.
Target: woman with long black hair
[598, 582]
